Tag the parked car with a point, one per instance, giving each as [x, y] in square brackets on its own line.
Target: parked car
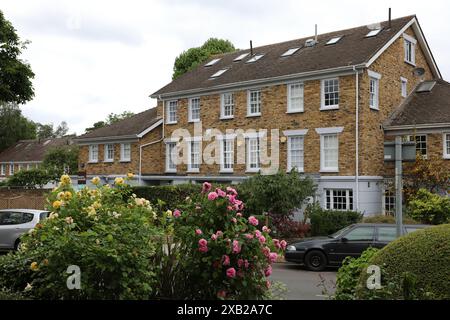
[14, 223]
[319, 252]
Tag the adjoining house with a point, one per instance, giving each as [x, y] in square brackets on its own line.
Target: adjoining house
[28, 154]
[316, 105]
[132, 145]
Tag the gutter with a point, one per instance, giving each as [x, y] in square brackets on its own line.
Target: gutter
[418, 126]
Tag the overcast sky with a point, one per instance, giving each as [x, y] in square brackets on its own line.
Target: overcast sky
[94, 57]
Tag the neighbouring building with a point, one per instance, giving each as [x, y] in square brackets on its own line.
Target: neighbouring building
[28, 154]
[320, 105]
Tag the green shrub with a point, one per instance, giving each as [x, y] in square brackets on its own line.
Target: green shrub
[325, 222]
[388, 219]
[6, 294]
[349, 273]
[413, 266]
[32, 178]
[171, 196]
[430, 208]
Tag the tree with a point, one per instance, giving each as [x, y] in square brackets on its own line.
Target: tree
[61, 160]
[61, 130]
[15, 74]
[14, 126]
[33, 178]
[112, 118]
[191, 58]
[46, 131]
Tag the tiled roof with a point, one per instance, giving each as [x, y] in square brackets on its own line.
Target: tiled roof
[131, 126]
[353, 49]
[32, 150]
[428, 107]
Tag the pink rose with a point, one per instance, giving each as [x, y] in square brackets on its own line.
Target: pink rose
[265, 229]
[177, 213]
[231, 198]
[206, 187]
[249, 236]
[203, 249]
[283, 244]
[258, 233]
[268, 284]
[202, 243]
[253, 221]
[276, 243]
[221, 193]
[238, 214]
[268, 271]
[230, 208]
[262, 239]
[231, 272]
[198, 232]
[236, 247]
[212, 196]
[232, 191]
[246, 264]
[240, 263]
[219, 233]
[266, 251]
[213, 237]
[234, 220]
[225, 260]
[273, 256]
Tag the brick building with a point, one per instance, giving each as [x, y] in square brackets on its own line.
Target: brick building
[316, 105]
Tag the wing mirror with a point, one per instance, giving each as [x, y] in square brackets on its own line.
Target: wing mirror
[344, 239]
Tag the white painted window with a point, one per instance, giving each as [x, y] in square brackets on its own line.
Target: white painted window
[295, 153]
[446, 143]
[11, 169]
[295, 97]
[227, 106]
[194, 156]
[227, 155]
[421, 144]
[330, 94]
[374, 89]
[410, 49]
[404, 87]
[389, 203]
[93, 153]
[254, 103]
[3, 169]
[125, 152]
[194, 109]
[330, 152]
[109, 152]
[253, 154]
[171, 111]
[171, 149]
[339, 199]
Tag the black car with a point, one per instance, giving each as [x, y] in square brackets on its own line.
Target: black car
[319, 252]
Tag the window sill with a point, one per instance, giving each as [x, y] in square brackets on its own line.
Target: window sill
[171, 171]
[298, 170]
[226, 118]
[254, 115]
[125, 161]
[446, 157]
[172, 122]
[108, 161]
[332, 170]
[374, 108]
[411, 63]
[193, 171]
[329, 108]
[194, 121]
[293, 111]
[252, 170]
[226, 171]
[92, 162]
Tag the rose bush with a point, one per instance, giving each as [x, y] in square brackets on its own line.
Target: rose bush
[110, 236]
[216, 252]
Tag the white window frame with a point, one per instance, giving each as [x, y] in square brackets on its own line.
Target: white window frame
[190, 141]
[11, 169]
[412, 138]
[223, 141]
[323, 132]
[410, 40]
[404, 87]
[349, 206]
[224, 105]
[290, 108]
[172, 109]
[258, 150]
[169, 159]
[123, 157]
[106, 158]
[445, 141]
[258, 103]
[191, 118]
[374, 96]
[295, 134]
[322, 89]
[93, 150]
[3, 169]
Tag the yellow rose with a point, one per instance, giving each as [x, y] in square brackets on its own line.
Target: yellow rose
[68, 195]
[53, 215]
[69, 220]
[130, 175]
[95, 180]
[119, 181]
[97, 205]
[65, 180]
[57, 204]
[169, 213]
[34, 266]
[60, 195]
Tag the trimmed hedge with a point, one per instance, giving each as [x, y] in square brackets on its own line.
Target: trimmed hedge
[388, 219]
[325, 222]
[423, 256]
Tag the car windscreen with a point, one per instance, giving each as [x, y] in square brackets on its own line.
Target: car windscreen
[338, 233]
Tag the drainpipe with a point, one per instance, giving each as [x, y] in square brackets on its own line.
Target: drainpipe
[151, 143]
[357, 140]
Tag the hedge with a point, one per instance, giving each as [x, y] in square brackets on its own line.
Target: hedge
[423, 256]
[388, 219]
[325, 222]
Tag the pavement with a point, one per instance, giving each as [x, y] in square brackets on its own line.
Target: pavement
[303, 284]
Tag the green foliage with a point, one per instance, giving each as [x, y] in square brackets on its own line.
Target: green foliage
[13, 125]
[36, 177]
[349, 273]
[277, 194]
[430, 208]
[112, 118]
[15, 74]
[326, 222]
[109, 236]
[191, 58]
[46, 131]
[6, 294]
[388, 219]
[62, 160]
[414, 266]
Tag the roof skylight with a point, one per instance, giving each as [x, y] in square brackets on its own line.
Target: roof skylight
[242, 56]
[255, 58]
[219, 73]
[333, 40]
[373, 33]
[290, 52]
[212, 62]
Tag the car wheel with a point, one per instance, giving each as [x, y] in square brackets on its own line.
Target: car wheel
[17, 245]
[315, 260]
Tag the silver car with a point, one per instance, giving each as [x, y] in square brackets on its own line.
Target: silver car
[14, 223]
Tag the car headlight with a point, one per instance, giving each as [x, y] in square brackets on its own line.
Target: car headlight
[291, 248]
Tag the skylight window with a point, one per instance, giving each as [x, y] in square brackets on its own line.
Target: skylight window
[290, 52]
[256, 57]
[373, 33]
[333, 40]
[219, 73]
[242, 56]
[212, 62]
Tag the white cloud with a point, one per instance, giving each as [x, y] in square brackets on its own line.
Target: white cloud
[96, 57]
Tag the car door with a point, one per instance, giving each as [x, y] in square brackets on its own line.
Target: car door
[354, 242]
[385, 235]
[10, 228]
